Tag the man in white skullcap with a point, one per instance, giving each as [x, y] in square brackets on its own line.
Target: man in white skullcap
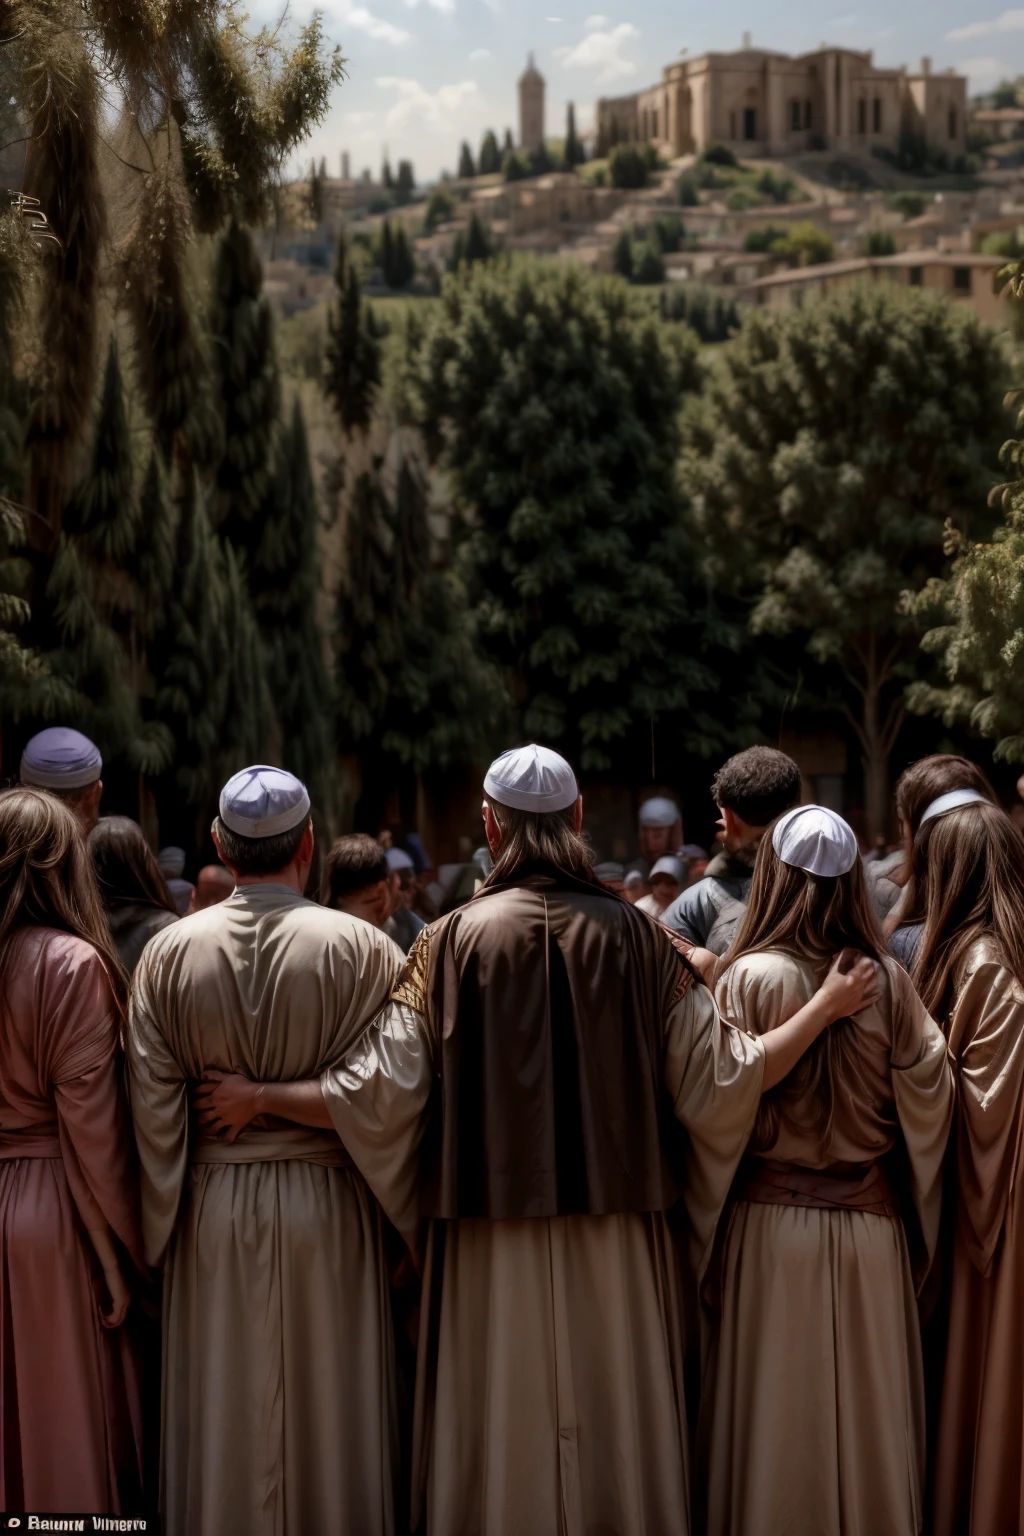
[661, 831]
[278, 1394]
[69, 765]
[548, 1082]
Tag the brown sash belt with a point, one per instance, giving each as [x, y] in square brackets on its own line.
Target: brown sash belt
[278, 1146]
[841, 1187]
[14, 1145]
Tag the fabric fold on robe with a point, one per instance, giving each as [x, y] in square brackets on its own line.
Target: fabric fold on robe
[70, 1406]
[813, 1417]
[279, 1415]
[979, 1465]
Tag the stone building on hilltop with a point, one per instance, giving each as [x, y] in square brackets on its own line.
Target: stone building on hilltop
[531, 108]
[772, 104]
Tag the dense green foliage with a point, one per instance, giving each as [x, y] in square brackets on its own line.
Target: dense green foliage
[541, 390]
[474, 243]
[573, 153]
[707, 310]
[467, 168]
[825, 456]
[630, 165]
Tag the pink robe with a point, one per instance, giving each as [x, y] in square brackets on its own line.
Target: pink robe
[69, 1405]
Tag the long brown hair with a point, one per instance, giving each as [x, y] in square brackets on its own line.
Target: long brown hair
[46, 880]
[812, 918]
[126, 867]
[973, 888]
[916, 788]
[527, 838]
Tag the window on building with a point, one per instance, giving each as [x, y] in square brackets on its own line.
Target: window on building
[916, 277]
[862, 116]
[876, 115]
[952, 122]
[750, 122]
[807, 114]
[961, 279]
[794, 116]
[732, 126]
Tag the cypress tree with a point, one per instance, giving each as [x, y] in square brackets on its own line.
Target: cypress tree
[247, 388]
[509, 145]
[299, 684]
[192, 655]
[622, 256]
[466, 167]
[403, 263]
[574, 154]
[490, 155]
[352, 361]
[414, 689]
[406, 183]
[386, 253]
[93, 595]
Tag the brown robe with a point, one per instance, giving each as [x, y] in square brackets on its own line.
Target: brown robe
[550, 1387]
[813, 1418]
[979, 1476]
[70, 1419]
[279, 1415]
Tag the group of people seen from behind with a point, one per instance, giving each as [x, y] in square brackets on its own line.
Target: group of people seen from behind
[679, 1197]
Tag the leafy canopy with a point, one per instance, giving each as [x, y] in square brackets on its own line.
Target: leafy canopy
[552, 398]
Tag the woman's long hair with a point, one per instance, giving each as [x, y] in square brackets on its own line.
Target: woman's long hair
[812, 918]
[126, 867]
[972, 888]
[527, 838]
[916, 788]
[47, 880]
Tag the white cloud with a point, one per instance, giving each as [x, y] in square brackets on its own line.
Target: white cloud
[982, 71]
[597, 23]
[376, 27]
[447, 6]
[556, 19]
[1009, 21]
[480, 53]
[358, 119]
[602, 51]
[440, 109]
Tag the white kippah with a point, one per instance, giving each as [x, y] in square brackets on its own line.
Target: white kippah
[531, 779]
[952, 802]
[816, 840]
[398, 859]
[668, 866]
[263, 802]
[659, 812]
[61, 759]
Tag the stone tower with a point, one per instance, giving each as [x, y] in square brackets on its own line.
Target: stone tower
[531, 108]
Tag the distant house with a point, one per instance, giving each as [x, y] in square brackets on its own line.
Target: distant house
[1000, 122]
[765, 103]
[963, 277]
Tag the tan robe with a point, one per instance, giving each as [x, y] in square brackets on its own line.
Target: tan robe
[813, 1419]
[979, 1482]
[70, 1414]
[278, 1393]
[550, 1378]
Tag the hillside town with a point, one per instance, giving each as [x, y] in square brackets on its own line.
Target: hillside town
[766, 178]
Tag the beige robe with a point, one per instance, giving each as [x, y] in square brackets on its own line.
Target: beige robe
[979, 1465]
[813, 1419]
[550, 1375]
[278, 1392]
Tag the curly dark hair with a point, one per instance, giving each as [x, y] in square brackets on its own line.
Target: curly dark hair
[758, 785]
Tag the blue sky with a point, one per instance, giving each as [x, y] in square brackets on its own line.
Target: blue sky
[424, 74]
